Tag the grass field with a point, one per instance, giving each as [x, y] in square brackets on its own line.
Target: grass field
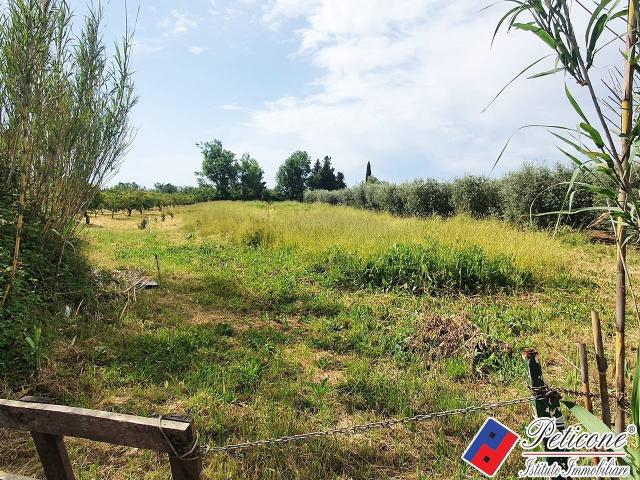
[285, 318]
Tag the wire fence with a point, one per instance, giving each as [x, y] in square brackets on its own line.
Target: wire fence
[538, 394]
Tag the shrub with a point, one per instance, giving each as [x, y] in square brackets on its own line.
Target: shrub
[423, 198]
[427, 269]
[46, 280]
[477, 196]
[536, 189]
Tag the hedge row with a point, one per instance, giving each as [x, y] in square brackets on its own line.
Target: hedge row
[517, 197]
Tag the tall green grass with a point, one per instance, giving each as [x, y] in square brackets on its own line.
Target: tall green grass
[428, 269]
[312, 229]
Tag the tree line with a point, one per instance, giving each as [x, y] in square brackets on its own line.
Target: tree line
[526, 195]
[231, 178]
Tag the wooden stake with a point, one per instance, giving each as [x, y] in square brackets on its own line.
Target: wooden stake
[547, 406]
[53, 456]
[601, 363]
[158, 268]
[584, 376]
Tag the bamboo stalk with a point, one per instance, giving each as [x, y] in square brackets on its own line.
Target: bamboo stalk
[601, 363]
[626, 114]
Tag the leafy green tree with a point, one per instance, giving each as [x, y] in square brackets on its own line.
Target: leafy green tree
[127, 186]
[220, 167]
[323, 176]
[251, 176]
[327, 175]
[165, 188]
[314, 178]
[292, 176]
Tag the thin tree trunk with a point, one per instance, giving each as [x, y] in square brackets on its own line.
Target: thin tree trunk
[621, 250]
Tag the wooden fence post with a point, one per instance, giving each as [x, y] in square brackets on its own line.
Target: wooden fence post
[188, 464]
[547, 405]
[51, 450]
[53, 456]
[584, 376]
[601, 363]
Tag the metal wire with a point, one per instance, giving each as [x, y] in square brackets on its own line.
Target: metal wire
[539, 393]
[364, 427]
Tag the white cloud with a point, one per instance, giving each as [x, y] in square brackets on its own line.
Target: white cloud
[233, 107]
[197, 50]
[145, 46]
[178, 22]
[407, 86]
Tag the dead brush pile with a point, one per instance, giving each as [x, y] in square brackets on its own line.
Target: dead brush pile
[439, 338]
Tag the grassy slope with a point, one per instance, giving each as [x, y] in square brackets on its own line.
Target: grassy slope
[250, 341]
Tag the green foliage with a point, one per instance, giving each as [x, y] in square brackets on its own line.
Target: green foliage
[532, 192]
[419, 198]
[252, 186]
[292, 176]
[323, 177]
[220, 167]
[165, 188]
[118, 199]
[423, 198]
[433, 269]
[43, 285]
[477, 196]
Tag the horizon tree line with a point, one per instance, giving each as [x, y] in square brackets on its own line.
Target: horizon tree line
[243, 178]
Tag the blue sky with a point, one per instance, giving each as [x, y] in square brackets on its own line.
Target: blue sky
[401, 84]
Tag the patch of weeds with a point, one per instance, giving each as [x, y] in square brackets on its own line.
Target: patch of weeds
[157, 356]
[359, 329]
[223, 330]
[266, 338]
[258, 238]
[456, 368]
[433, 269]
[248, 373]
[371, 387]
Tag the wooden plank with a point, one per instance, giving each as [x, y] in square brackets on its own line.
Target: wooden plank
[189, 467]
[9, 476]
[114, 428]
[53, 456]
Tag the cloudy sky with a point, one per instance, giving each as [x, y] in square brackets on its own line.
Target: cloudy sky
[401, 84]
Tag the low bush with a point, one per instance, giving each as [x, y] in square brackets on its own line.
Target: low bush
[535, 190]
[44, 284]
[433, 269]
[423, 198]
[477, 196]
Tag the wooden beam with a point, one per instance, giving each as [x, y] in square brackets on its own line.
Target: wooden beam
[114, 428]
[53, 456]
